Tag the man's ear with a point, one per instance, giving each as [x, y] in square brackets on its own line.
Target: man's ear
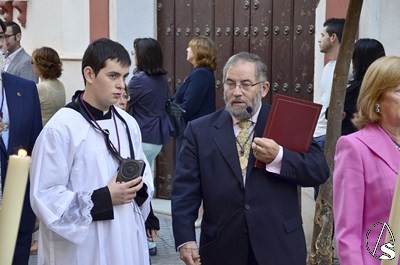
[89, 74]
[265, 89]
[18, 37]
[333, 37]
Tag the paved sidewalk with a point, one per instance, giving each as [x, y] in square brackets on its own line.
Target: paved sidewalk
[166, 254]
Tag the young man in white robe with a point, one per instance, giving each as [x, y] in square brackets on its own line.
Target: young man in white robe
[86, 216]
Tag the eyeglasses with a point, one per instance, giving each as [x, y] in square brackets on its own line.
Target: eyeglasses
[126, 96]
[8, 36]
[246, 86]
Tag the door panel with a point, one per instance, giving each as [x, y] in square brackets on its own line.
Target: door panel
[223, 37]
[303, 49]
[261, 35]
[282, 47]
[183, 22]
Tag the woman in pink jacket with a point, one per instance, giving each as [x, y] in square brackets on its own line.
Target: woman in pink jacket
[366, 166]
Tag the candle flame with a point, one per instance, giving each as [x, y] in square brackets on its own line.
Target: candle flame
[22, 153]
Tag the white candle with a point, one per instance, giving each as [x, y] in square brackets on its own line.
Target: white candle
[394, 224]
[13, 198]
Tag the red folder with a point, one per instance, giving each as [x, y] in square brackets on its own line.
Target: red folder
[291, 123]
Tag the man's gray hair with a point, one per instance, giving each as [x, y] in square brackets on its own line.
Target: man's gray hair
[261, 68]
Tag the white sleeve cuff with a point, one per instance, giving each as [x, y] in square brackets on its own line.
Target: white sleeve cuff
[276, 164]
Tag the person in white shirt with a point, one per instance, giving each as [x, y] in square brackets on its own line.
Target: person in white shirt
[86, 215]
[329, 44]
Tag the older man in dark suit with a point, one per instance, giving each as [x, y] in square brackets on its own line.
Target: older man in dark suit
[20, 113]
[251, 215]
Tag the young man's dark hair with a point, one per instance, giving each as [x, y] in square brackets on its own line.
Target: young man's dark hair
[101, 50]
[335, 26]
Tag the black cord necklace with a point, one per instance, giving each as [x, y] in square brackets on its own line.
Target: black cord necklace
[105, 132]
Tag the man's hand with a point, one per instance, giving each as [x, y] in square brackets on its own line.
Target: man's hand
[264, 149]
[189, 253]
[152, 235]
[124, 192]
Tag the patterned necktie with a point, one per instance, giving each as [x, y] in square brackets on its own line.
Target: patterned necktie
[243, 144]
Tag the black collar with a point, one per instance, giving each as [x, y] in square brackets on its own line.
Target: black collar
[98, 114]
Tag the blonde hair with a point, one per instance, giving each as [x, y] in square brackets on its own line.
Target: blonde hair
[204, 52]
[382, 75]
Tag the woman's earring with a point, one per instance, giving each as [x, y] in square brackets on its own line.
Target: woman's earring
[377, 108]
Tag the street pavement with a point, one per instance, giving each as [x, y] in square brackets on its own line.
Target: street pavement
[166, 254]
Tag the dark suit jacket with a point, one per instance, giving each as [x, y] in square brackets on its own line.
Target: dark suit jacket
[264, 212]
[25, 125]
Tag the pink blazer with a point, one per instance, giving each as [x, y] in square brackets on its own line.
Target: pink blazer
[364, 179]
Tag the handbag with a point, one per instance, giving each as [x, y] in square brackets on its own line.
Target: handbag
[177, 123]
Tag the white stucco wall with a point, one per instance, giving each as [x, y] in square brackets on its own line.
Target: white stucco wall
[319, 57]
[64, 26]
[380, 20]
[131, 19]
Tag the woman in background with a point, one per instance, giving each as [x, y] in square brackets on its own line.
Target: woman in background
[366, 51]
[366, 165]
[122, 102]
[196, 95]
[48, 66]
[148, 90]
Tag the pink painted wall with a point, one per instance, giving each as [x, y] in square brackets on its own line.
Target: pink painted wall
[99, 19]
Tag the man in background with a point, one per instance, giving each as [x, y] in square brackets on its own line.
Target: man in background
[329, 44]
[18, 62]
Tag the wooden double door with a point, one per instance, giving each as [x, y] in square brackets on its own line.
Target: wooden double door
[281, 32]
